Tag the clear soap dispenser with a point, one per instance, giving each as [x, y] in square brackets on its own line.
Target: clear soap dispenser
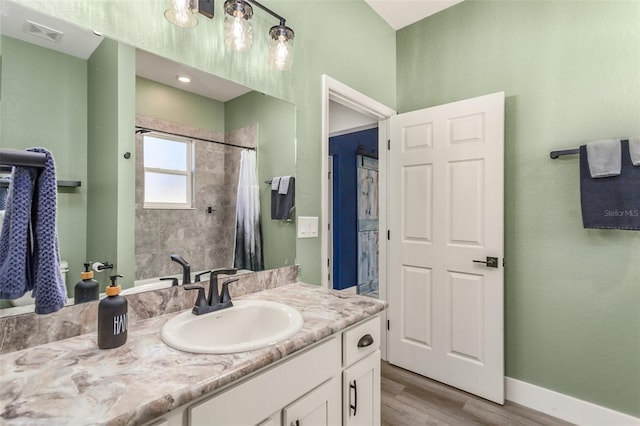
[112, 317]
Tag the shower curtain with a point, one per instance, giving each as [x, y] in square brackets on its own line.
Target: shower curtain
[248, 251]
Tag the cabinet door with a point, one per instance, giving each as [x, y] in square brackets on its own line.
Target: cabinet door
[320, 407]
[361, 392]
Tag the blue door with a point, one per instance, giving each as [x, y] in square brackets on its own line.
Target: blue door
[344, 150]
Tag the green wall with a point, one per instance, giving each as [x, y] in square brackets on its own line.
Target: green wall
[358, 50]
[111, 177]
[44, 103]
[571, 73]
[157, 100]
[276, 120]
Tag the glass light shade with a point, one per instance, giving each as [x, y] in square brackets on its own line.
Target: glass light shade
[237, 25]
[281, 47]
[183, 13]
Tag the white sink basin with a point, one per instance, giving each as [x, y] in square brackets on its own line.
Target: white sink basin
[247, 325]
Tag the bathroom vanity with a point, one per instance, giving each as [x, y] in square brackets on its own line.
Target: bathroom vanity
[334, 379]
[321, 375]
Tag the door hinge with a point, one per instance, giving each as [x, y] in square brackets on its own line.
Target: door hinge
[329, 175]
[329, 226]
[388, 234]
[328, 262]
[388, 326]
[388, 144]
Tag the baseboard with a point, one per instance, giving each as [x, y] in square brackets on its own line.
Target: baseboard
[565, 407]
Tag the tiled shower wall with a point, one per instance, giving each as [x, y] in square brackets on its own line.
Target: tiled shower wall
[205, 240]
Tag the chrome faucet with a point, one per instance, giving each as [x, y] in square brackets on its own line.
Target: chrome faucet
[213, 302]
[186, 268]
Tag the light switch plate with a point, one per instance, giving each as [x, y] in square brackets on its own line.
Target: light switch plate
[307, 226]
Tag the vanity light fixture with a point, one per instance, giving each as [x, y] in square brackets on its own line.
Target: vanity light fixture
[183, 78]
[238, 32]
[238, 36]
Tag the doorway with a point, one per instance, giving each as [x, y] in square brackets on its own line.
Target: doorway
[336, 95]
[354, 220]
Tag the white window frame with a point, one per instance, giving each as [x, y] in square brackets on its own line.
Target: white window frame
[189, 173]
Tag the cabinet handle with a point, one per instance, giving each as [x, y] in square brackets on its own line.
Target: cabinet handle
[353, 386]
[365, 341]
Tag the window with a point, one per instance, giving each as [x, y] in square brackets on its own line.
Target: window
[168, 177]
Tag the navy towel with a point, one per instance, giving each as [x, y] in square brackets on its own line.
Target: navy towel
[31, 212]
[611, 202]
[282, 204]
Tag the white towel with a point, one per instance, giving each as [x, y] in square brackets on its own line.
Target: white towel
[634, 151]
[284, 185]
[275, 183]
[604, 158]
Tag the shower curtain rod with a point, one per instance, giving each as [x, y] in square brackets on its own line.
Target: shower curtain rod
[143, 130]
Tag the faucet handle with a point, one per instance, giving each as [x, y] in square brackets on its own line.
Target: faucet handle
[201, 301]
[224, 294]
[174, 281]
[199, 274]
[213, 283]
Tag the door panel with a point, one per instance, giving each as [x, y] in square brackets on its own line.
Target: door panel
[445, 311]
[466, 195]
[465, 315]
[416, 300]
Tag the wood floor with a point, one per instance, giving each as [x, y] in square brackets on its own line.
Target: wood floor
[409, 399]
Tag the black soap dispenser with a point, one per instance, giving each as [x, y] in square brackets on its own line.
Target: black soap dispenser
[87, 289]
[112, 317]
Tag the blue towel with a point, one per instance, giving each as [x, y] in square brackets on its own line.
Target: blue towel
[610, 202]
[31, 212]
[3, 198]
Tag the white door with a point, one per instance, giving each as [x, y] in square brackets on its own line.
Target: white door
[445, 215]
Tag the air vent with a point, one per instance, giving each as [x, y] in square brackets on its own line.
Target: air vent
[42, 31]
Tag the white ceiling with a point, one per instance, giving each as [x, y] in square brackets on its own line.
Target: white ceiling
[37, 28]
[164, 71]
[400, 13]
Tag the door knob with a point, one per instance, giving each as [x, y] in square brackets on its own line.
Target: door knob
[491, 262]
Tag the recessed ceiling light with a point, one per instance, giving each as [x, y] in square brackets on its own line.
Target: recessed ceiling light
[183, 78]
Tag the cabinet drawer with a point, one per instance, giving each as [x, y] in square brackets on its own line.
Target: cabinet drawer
[360, 340]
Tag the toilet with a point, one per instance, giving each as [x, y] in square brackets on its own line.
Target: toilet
[28, 300]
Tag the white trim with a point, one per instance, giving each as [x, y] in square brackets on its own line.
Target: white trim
[353, 130]
[333, 90]
[563, 406]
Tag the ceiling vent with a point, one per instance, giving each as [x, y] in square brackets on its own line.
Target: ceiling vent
[42, 31]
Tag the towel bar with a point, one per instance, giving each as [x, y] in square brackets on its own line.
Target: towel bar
[575, 151]
[10, 157]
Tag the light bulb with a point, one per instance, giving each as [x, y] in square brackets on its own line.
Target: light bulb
[183, 13]
[281, 47]
[237, 25]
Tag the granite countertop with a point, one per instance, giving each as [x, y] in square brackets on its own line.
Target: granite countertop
[72, 382]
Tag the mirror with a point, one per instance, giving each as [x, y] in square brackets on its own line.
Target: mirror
[83, 104]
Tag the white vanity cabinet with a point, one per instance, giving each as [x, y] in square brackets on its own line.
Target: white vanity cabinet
[313, 388]
[361, 374]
